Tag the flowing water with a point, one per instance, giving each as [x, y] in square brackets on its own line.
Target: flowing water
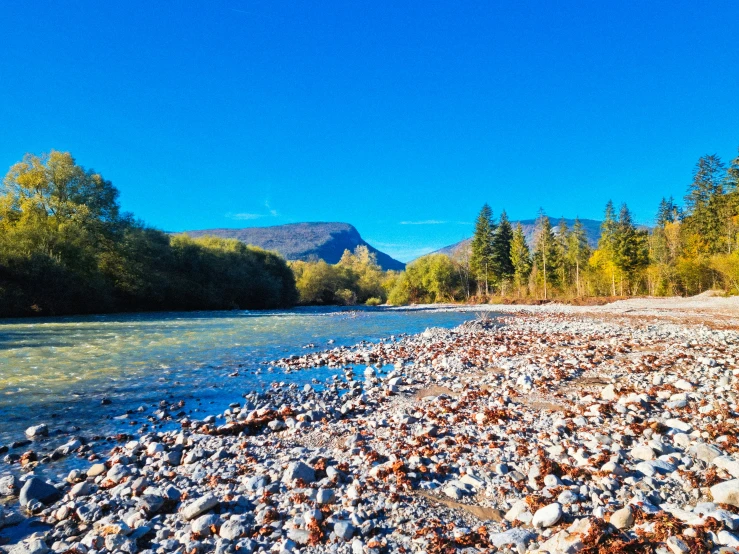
[84, 373]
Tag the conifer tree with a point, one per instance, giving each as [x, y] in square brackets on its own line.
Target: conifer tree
[705, 204]
[545, 253]
[607, 241]
[630, 254]
[561, 246]
[520, 258]
[481, 259]
[502, 249]
[578, 251]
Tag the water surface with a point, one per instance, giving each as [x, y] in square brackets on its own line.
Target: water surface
[59, 371]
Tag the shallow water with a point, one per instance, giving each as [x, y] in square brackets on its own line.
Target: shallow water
[58, 371]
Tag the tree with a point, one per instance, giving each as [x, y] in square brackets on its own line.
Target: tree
[705, 202]
[668, 212]
[520, 258]
[607, 242]
[630, 252]
[502, 249]
[578, 251]
[545, 253]
[561, 247]
[482, 260]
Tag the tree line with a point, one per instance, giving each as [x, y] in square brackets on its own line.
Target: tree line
[67, 248]
[690, 249]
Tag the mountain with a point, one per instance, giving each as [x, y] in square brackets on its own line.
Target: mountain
[592, 230]
[304, 241]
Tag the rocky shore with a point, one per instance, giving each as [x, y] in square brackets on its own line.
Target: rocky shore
[543, 431]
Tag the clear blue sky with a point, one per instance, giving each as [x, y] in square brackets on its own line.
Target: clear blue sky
[401, 118]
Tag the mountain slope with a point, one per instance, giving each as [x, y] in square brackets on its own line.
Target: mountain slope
[592, 230]
[304, 241]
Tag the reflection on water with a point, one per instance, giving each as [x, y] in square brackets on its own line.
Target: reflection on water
[59, 370]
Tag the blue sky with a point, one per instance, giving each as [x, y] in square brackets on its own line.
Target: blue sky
[401, 118]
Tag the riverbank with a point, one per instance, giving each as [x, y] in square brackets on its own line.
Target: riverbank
[557, 429]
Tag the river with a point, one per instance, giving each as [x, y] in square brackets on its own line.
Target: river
[83, 374]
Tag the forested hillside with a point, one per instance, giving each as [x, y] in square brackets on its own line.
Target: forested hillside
[66, 248]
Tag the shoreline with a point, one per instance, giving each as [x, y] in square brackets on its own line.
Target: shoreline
[536, 434]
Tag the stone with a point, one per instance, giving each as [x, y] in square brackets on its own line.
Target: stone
[642, 452]
[96, 469]
[728, 463]
[199, 507]
[343, 530]
[726, 538]
[679, 424]
[547, 516]
[623, 518]
[202, 525]
[83, 488]
[118, 473]
[677, 546]
[453, 492]
[299, 470]
[357, 546]
[8, 485]
[726, 492]
[234, 528]
[608, 392]
[705, 452]
[38, 490]
[300, 536]
[325, 496]
[36, 431]
[30, 546]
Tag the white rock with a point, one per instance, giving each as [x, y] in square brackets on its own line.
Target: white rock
[548, 515]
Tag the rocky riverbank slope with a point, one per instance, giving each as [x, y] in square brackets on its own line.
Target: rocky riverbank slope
[540, 432]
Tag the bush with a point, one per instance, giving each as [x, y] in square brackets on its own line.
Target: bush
[374, 301]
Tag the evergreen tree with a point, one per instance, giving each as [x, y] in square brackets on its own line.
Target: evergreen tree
[578, 251]
[520, 258]
[502, 249]
[561, 246]
[607, 241]
[630, 254]
[705, 203]
[482, 259]
[545, 253]
[668, 212]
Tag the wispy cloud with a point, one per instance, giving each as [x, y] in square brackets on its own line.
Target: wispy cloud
[246, 216]
[243, 216]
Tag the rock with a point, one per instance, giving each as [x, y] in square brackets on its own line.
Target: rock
[37, 431]
[608, 392]
[642, 452]
[343, 530]
[202, 525]
[96, 469]
[299, 470]
[8, 485]
[677, 546]
[516, 537]
[118, 473]
[563, 543]
[547, 516]
[83, 488]
[728, 463]
[199, 507]
[357, 546]
[234, 528]
[300, 536]
[325, 496]
[38, 490]
[453, 492]
[29, 546]
[653, 467]
[705, 452]
[623, 518]
[679, 425]
[726, 492]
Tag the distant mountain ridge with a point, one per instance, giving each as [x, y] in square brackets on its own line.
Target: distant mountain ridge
[304, 241]
[592, 231]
